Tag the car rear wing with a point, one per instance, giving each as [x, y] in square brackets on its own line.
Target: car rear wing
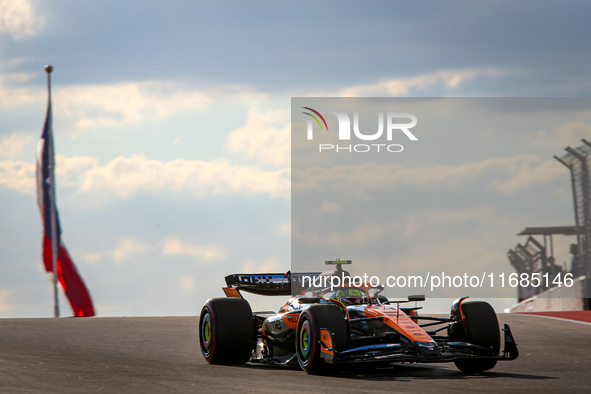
[270, 284]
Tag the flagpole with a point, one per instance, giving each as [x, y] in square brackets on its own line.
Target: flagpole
[55, 242]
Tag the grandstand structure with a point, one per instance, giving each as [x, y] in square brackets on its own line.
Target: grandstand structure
[536, 255]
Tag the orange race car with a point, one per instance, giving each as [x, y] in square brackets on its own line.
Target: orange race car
[327, 326]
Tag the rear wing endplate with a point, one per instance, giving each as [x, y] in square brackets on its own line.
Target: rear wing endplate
[270, 284]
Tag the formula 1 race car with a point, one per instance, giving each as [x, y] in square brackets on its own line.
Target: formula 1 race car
[326, 326]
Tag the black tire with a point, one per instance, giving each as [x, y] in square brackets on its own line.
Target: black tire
[226, 331]
[312, 319]
[480, 327]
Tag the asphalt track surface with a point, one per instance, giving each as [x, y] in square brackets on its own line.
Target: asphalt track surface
[161, 354]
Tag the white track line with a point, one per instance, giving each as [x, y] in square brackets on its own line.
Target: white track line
[555, 318]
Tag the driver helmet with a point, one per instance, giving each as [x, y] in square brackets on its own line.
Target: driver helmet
[350, 296]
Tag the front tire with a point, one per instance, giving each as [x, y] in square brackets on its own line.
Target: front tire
[479, 326]
[226, 331]
[308, 346]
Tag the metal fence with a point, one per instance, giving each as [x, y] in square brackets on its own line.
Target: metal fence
[577, 161]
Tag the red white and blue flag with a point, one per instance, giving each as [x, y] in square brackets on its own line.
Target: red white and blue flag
[68, 275]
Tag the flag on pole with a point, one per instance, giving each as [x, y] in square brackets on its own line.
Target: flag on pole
[55, 254]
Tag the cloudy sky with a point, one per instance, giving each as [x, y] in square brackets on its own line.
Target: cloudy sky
[438, 204]
[172, 130]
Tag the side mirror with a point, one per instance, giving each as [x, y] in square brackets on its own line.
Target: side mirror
[416, 297]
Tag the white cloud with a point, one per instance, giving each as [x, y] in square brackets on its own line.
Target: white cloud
[18, 19]
[174, 246]
[285, 228]
[107, 105]
[93, 258]
[265, 136]
[12, 144]
[450, 79]
[270, 265]
[18, 175]
[361, 234]
[450, 188]
[71, 172]
[91, 106]
[330, 207]
[11, 94]
[126, 176]
[129, 248]
[526, 173]
[454, 256]
[5, 305]
[564, 135]
[502, 175]
[418, 222]
[187, 282]
[322, 234]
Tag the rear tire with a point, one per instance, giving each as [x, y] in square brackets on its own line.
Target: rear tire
[480, 327]
[226, 331]
[308, 348]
